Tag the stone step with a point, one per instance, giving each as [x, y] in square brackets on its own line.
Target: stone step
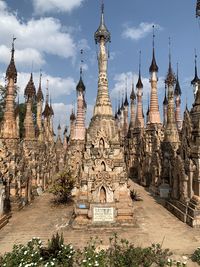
[176, 211]
[125, 211]
[4, 220]
[124, 205]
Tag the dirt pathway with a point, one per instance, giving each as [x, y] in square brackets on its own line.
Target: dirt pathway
[154, 225]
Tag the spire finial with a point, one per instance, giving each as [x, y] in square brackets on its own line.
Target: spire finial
[47, 94]
[13, 44]
[153, 67]
[177, 71]
[126, 85]
[81, 65]
[165, 101]
[80, 86]
[177, 90]
[170, 79]
[102, 12]
[195, 51]
[153, 35]
[139, 83]
[40, 76]
[102, 6]
[126, 96]
[102, 31]
[39, 95]
[195, 81]
[11, 72]
[186, 101]
[148, 106]
[170, 51]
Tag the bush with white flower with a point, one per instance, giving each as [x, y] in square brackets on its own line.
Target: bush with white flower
[120, 253]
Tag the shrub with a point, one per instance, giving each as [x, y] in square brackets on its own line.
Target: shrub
[135, 196]
[24, 255]
[196, 256]
[120, 253]
[34, 254]
[62, 186]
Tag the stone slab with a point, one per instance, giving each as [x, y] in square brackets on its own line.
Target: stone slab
[103, 214]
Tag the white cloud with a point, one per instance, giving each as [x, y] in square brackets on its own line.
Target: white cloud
[36, 37]
[120, 85]
[58, 86]
[62, 115]
[46, 6]
[83, 44]
[23, 57]
[3, 5]
[137, 33]
[119, 88]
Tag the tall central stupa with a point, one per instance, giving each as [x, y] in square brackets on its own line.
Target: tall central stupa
[102, 194]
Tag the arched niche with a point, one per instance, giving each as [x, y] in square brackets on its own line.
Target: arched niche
[102, 195]
[103, 166]
[101, 143]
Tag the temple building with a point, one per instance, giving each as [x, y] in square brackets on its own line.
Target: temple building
[161, 153]
[29, 157]
[102, 194]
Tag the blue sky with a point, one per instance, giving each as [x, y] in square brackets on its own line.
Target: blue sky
[50, 34]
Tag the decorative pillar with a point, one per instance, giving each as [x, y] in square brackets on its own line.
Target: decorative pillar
[133, 101]
[103, 104]
[65, 143]
[171, 132]
[72, 125]
[29, 94]
[47, 117]
[177, 94]
[9, 129]
[165, 104]
[195, 82]
[154, 114]
[80, 118]
[39, 99]
[139, 86]
[126, 105]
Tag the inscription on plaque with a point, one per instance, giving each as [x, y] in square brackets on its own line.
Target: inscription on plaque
[103, 214]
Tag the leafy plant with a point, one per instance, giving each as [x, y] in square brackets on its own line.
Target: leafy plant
[120, 253]
[55, 244]
[23, 255]
[62, 186]
[135, 196]
[196, 256]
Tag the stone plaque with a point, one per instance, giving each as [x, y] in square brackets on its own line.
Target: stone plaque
[103, 214]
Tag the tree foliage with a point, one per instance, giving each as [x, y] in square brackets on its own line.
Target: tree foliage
[120, 253]
[62, 186]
